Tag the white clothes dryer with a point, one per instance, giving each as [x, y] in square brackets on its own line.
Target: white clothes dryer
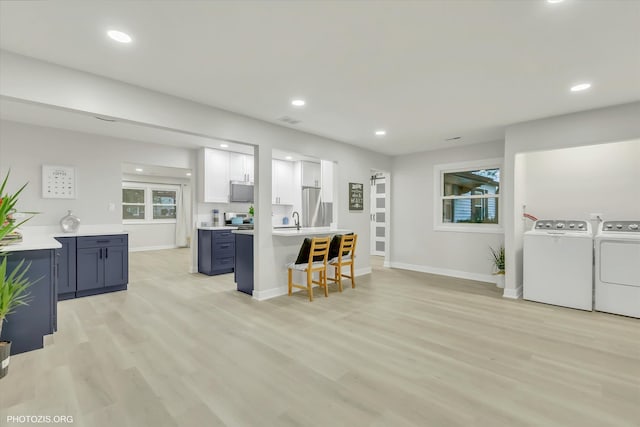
[617, 268]
[558, 263]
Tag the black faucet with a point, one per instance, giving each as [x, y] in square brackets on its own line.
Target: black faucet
[296, 218]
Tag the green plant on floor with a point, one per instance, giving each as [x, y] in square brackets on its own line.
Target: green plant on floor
[14, 288]
[498, 259]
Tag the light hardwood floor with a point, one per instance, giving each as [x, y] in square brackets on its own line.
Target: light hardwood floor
[402, 349]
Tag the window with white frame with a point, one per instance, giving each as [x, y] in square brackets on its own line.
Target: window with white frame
[468, 196]
[149, 203]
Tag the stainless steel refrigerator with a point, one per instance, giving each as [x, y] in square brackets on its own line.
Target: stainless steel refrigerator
[315, 213]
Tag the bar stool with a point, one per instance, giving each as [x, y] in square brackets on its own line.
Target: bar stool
[317, 262]
[345, 257]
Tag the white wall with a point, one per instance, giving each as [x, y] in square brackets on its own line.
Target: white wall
[35, 81]
[98, 162]
[571, 183]
[414, 242]
[604, 125]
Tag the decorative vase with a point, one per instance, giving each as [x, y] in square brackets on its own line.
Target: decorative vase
[70, 223]
[500, 280]
[5, 352]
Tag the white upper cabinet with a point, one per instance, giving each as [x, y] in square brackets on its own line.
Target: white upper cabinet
[240, 167]
[311, 176]
[327, 186]
[215, 176]
[283, 186]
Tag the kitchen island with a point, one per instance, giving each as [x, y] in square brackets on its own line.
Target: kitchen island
[286, 244]
[93, 260]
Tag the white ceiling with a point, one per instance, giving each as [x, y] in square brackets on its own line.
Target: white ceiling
[423, 70]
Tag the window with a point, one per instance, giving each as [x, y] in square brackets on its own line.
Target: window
[164, 204]
[149, 203]
[467, 196]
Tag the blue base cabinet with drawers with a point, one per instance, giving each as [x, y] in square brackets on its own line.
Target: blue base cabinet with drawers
[216, 252]
[91, 265]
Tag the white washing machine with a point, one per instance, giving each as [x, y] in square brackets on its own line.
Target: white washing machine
[617, 270]
[558, 263]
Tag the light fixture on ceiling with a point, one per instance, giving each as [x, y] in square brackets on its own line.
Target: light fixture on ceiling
[138, 169]
[455, 138]
[554, 1]
[224, 145]
[119, 36]
[289, 158]
[580, 87]
[298, 102]
[105, 119]
[188, 173]
[381, 132]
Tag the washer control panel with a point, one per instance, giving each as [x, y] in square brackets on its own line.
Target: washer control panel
[621, 226]
[561, 224]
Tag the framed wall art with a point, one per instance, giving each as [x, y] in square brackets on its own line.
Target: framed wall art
[58, 182]
[356, 196]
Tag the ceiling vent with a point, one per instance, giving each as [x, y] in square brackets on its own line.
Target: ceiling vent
[289, 120]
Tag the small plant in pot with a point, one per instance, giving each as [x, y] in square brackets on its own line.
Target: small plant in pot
[497, 256]
[13, 284]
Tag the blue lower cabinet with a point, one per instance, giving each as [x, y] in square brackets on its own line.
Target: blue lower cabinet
[66, 268]
[102, 264]
[27, 326]
[244, 263]
[216, 252]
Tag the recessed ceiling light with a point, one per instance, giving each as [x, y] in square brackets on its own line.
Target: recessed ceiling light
[224, 145]
[581, 86]
[554, 1]
[381, 132]
[298, 102]
[138, 169]
[119, 36]
[188, 173]
[289, 158]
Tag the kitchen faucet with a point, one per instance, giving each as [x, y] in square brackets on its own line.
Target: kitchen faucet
[296, 218]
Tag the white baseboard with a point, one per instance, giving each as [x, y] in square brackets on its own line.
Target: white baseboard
[284, 290]
[513, 293]
[270, 293]
[152, 248]
[445, 272]
[362, 271]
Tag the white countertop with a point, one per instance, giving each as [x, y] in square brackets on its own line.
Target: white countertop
[32, 242]
[219, 227]
[304, 231]
[43, 237]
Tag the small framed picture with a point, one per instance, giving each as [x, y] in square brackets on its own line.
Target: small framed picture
[58, 182]
[356, 196]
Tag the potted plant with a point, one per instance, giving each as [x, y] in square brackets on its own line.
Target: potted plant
[497, 256]
[13, 285]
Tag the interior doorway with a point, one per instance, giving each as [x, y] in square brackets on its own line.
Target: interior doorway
[379, 214]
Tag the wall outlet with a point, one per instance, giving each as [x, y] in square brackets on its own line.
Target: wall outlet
[595, 216]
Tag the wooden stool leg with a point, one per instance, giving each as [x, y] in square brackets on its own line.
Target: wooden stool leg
[290, 281]
[309, 288]
[353, 277]
[323, 280]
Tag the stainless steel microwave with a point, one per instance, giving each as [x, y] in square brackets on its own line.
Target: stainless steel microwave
[241, 191]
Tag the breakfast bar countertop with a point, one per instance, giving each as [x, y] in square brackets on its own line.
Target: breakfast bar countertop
[304, 231]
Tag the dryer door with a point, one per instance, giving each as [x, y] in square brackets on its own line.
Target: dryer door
[620, 262]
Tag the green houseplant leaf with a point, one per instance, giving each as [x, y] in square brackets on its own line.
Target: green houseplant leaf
[498, 259]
